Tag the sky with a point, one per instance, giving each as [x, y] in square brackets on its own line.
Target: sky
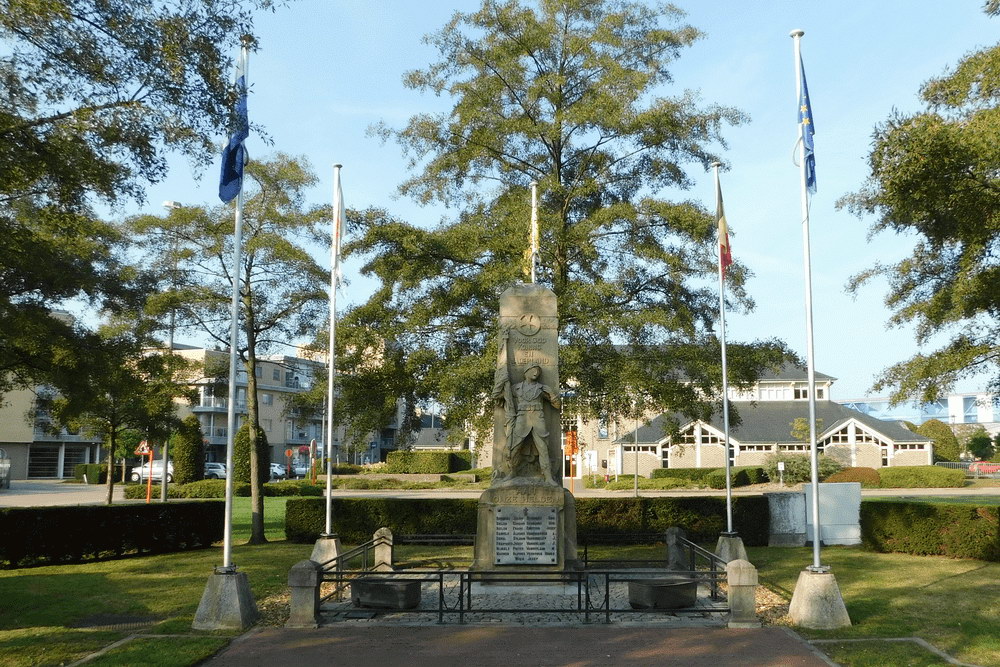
[326, 70]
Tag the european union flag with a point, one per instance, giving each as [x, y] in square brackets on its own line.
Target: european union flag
[808, 130]
[234, 154]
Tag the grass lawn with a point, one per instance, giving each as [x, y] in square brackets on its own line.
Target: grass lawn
[953, 604]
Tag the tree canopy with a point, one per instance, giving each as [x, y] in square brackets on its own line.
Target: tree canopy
[93, 95]
[935, 177]
[573, 94]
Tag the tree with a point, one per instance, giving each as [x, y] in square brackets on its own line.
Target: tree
[126, 387]
[946, 447]
[93, 95]
[187, 447]
[241, 456]
[935, 176]
[980, 444]
[571, 95]
[282, 288]
[800, 429]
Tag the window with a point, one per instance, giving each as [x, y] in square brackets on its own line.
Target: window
[602, 428]
[276, 374]
[266, 398]
[801, 394]
[755, 448]
[819, 392]
[258, 371]
[641, 448]
[266, 424]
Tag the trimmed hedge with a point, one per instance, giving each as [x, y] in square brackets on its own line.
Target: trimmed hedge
[867, 477]
[941, 529]
[97, 473]
[921, 477]
[355, 519]
[71, 534]
[435, 462]
[216, 488]
[743, 476]
[693, 474]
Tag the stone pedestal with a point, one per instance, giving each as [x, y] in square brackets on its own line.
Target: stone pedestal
[227, 603]
[817, 603]
[525, 525]
[741, 578]
[730, 547]
[303, 584]
[326, 548]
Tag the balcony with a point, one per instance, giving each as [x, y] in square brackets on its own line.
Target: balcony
[216, 404]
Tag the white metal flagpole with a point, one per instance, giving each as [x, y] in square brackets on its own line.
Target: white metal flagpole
[534, 232]
[337, 233]
[802, 100]
[227, 540]
[724, 260]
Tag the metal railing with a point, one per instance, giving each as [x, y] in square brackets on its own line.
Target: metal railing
[348, 566]
[974, 469]
[590, 591]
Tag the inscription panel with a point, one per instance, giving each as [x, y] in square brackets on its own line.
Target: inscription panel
[526, 535]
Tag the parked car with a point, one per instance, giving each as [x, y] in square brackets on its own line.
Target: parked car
[141, 473]
[985, 468]
[278, 471]
[215, 471]
[301, 469]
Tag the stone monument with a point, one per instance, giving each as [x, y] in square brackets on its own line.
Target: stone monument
[526, 520]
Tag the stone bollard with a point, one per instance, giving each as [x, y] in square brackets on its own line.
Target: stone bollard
[383, 550]
[304, 579]
[741, 577]
[677, 558]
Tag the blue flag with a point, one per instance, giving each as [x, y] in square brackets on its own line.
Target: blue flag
[234, 154]
[808, 130]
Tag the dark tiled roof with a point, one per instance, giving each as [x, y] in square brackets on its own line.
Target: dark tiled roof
[790, 372]
[766, 422]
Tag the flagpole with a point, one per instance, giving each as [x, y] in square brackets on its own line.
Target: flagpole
[810, 355]
[234, 314]
[335, 234]
[534, 231]
[725, 367]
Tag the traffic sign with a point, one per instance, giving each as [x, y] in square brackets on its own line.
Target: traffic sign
[143, 449]
[288, 452]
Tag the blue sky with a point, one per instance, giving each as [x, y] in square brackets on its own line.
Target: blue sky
[327, 69]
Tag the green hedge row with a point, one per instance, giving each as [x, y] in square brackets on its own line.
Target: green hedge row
[740, 477]
[693, 474]
[216, 488]
[920, 477]
[355, 519]
[70, 534]
[955, 530]
[97, 473]
[436, 461]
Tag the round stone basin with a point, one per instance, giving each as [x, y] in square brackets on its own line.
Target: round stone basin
[666, 593]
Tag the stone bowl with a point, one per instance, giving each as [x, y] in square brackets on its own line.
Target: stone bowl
[666, 593]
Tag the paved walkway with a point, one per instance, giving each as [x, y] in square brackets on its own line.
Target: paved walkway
[507, 646]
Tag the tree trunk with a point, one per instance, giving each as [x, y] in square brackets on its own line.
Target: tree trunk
[253, 419]
[111, 466]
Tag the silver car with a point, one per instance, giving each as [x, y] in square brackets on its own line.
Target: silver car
[141, 473]
[215, 471]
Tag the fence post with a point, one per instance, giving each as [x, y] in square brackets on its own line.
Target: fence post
[675, 549]
[383, 550]
[742, 579]
[304, 579]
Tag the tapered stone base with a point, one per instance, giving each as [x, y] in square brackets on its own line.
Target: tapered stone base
[327, 548]
[226, 604]
[817, 603]
[730, 547]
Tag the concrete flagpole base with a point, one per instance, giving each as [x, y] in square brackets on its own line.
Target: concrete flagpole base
[730, 547]
[327, 548]
[817, 603]
[227, 603]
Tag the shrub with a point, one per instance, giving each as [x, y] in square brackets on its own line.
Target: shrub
[97, 473]
[919, 477]
[693, 474]
[187, 448]
[461, 460]
[68, 534]
[741, 476]
[798, 467]
[418, 462]
[356, 519]
[205, 488]
[292, 487]
[958, 531]
[868, 477]
[946, 447]
[241, 455]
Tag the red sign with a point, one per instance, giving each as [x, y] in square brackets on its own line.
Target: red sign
[288, 452]
[142, 449]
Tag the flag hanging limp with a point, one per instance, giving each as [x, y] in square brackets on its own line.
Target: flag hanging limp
[808, 130]
[234, 154]
[337, 232]
[725, 250]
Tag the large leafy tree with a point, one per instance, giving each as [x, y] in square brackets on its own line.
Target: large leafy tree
[573, 94]
[935, 177]
[282, 287]
[93, 94]
[125, 387]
